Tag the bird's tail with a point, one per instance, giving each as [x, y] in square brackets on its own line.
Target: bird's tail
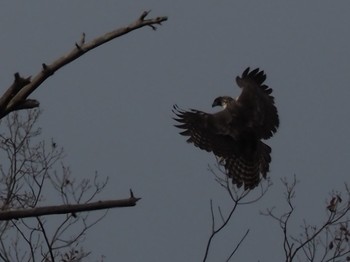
[249, 171]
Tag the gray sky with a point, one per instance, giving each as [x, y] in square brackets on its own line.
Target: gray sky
[111, 111]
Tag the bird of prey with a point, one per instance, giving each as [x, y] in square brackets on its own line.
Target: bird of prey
[234, 134]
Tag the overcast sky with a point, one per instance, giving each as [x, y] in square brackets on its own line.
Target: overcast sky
[111, 111]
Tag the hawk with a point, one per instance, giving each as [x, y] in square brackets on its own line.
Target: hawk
[234, 134]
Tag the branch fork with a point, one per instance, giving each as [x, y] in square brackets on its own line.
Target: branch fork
[16, 96]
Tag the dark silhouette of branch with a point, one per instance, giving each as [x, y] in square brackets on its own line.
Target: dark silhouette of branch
[327, 242]
[66, 209]
[27, 175]
[16, 96]
[42, 228]
[17, 85]
[238, 197]
[216, 231]
[239, 243]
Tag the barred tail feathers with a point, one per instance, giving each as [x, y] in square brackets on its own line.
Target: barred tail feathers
[248, 172]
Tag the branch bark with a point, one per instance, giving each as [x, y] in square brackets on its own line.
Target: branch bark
[66, 209]
[15, 98]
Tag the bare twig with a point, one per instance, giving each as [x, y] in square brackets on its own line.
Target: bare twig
[238, 198]
[23, 180]
[326, 242]
[239, 243]
[42, 228]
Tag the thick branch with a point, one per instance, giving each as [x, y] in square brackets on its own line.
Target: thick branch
[26, 104]
[65, 209]
[18, 83]
[12, 100]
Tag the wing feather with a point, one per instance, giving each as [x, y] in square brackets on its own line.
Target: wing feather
[198, 127]
[257, 104]
[234, 134]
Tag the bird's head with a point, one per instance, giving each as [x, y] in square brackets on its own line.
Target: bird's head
[223, 101]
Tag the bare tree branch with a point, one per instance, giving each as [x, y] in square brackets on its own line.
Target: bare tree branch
[15, 97]
[29, 172]
[42, 228]
[26, 178]
[66, 209]
[239, 243]
[238, 197]
[17, 85]
[326, 242]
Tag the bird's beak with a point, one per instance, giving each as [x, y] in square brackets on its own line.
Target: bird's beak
[216, 102]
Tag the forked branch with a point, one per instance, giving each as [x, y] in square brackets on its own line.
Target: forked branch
[239, 197]
[327, 241]
[16, 96]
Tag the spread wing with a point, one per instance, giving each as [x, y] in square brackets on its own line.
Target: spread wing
[257, 105]
[234, 133]
[246, 159]
[205, 132]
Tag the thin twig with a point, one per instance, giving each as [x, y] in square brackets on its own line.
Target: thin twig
[237, 246]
